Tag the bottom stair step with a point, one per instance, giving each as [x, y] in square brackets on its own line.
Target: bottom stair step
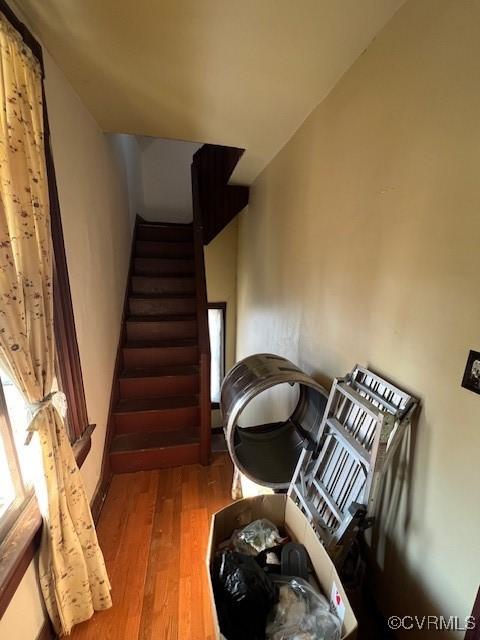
[143, 451]
[175, 413]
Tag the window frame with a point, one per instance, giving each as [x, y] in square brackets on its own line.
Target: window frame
[223, 307]
[68, 355]
[8, 518]
[21, 542]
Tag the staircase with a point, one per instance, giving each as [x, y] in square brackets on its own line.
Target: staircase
[160, 409]
[157, 417]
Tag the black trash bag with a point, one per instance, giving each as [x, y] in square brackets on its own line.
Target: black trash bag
[244, 595]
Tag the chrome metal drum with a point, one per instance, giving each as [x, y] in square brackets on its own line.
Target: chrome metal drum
[268, 453]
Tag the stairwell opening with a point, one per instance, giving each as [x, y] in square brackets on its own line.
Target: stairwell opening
[161, 410]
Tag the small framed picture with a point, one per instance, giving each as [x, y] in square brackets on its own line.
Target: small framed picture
[471, 377]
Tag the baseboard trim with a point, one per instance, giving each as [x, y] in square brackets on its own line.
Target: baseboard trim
[47, 632]
[100, 494]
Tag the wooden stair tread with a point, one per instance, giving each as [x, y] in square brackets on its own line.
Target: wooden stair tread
[176, 226]
[163, 318]
[161, 344]
[156, 440]
[187, 238]
[185, 232]
[163, 224]
[158, 372]
[181, 295]
[156, 404]
[179, 283]
[157, 275]
[163, 249]
[166, 259]
[161, 275]
[157, 244]
[166, 276]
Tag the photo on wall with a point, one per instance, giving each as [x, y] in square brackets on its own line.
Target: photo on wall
[471, 377]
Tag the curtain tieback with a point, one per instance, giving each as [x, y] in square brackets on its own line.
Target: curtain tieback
[36, 407]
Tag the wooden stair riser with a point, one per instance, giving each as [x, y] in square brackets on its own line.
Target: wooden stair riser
[162, 330]
[162, 285]
[158, 386]
[161, 306]
[147, 249]
[143, 358]
[165, 234]
[159, 266]
[176, 456]
[177, 419]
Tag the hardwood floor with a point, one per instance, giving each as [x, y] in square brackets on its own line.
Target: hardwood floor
[153, 531]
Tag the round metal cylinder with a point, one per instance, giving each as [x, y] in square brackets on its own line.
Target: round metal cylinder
[268, 454]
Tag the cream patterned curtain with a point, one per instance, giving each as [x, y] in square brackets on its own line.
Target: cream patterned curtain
[72, 571]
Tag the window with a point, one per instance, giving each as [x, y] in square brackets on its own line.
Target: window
[16, 464]
[216, 327]
[18, 417]
[19, 462]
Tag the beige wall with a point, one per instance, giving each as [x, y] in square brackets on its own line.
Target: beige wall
[158, 175]
[361, 244]
[166, 179]
[25, 615]
[94, 209]
[221, 276]
[127, 150]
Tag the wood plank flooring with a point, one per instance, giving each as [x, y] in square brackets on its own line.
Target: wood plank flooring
[153, 531]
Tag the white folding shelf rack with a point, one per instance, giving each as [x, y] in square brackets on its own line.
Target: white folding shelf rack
[337, 478]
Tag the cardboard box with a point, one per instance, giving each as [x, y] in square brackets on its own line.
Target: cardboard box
[283, 512]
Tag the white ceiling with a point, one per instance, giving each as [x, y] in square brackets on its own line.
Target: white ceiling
[244, 73]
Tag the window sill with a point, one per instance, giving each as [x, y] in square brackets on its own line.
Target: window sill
[83, 445]
[23, 540]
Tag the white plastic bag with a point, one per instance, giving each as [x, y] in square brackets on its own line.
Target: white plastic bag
[256, 537]
[301, 614]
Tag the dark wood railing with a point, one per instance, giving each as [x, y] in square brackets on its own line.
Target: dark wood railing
[215, 203]
[218, 201]
[202, 323]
